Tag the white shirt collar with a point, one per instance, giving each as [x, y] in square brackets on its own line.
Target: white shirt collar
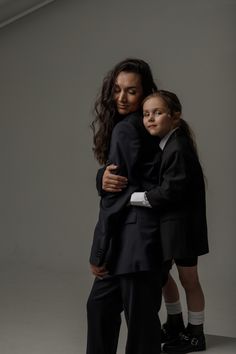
[164, 140]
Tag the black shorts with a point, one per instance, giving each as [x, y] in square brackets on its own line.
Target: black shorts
[183, 262]
[186, 262]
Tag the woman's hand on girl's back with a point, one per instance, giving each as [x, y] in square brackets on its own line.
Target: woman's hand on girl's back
[112, 182]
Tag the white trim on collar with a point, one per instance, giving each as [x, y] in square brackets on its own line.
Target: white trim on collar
[164, 140]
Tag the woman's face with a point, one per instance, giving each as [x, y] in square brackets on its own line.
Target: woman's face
[128, 93]
[157, 118]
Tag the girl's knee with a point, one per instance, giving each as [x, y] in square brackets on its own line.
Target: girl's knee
[189, 280]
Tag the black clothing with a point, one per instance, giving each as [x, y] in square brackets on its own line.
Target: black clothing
[140, 296]
[131, 234]
[180, 200]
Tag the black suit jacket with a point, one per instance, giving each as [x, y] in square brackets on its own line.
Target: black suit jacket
[180, 200]
[125, 237]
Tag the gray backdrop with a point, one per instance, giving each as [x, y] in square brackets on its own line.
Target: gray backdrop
[51, 67]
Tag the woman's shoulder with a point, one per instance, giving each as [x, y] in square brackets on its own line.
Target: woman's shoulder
[131, 122]
[134, 119]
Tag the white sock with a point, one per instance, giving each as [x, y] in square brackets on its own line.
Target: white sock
[173, 308]
[196, 318]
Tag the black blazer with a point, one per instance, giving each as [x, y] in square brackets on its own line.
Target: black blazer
[180, 199]
[125, 237]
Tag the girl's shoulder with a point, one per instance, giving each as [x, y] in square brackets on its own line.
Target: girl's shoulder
[179, 140]
[179, 143]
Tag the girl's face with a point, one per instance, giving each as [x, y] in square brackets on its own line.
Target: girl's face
[157, 118]
[128, 93]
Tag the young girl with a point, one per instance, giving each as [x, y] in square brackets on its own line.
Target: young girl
[180, 199]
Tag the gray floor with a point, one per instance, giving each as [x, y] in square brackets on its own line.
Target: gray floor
[43, 312]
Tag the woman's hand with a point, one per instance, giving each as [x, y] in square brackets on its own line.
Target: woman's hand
[111, 182]
[99, 272]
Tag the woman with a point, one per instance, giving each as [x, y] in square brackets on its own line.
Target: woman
[126, 253]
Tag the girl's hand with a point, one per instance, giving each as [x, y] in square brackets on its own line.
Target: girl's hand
[112, 182]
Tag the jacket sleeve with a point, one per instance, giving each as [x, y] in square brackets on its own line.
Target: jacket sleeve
[124, 152]
[99, 177]
[174, 182]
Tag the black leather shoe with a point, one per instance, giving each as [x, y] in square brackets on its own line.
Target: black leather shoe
[169, 334]
[186, 343]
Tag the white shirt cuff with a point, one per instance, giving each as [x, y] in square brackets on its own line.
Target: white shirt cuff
[139, 199]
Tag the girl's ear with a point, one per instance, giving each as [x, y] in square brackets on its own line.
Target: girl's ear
[176, 119]
[177, 116]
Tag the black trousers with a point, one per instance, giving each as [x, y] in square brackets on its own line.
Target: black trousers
[139, 296]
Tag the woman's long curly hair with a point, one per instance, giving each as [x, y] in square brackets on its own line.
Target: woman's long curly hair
[174, 105]
[106, 115]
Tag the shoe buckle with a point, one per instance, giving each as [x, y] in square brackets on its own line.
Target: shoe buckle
[184, 336]
[194, 341]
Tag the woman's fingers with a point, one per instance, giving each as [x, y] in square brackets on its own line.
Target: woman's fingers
[115, 178]
[109, 173]
[112, 190]
[111, 168]
[113, 186]
[112, 182]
